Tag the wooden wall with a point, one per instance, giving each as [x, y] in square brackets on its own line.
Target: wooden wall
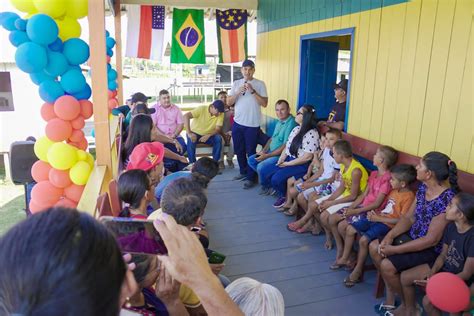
[411, 84]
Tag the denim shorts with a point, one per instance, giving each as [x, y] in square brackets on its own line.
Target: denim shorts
[372, 230]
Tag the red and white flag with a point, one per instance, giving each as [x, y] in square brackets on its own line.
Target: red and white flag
[145, 31]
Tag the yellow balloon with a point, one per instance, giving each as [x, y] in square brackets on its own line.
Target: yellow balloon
[81, 155]
[77, 9]
[53, 8]
[62, 156]
[23, 5]
[41, 148]
[80, 172]
[29, 15]
[90, 160]
[68, 28]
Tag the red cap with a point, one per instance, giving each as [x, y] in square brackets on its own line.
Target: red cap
[145, 156]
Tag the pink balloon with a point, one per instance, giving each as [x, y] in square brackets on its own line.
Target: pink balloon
[40, 171]
[65, 202]
[78, 122]
[77, 135]
[47, 112]
[74, 192]
[67, 107]
[59, 178]
[45, 193]
[86, 109]
[82, 144]
[448, 292]
[113, 103]
[36, 207]
[58, 130]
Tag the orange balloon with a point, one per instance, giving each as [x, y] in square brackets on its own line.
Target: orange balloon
[40, 171]
[59, 178]
[67, 107]
[76, 135]
[114, 93]
[83, 144]
[58, 130]
[65, 202]
[78, 122]
[86, 109]
[74, 192]
[36, 207]
[110, 94]
[47, 111]
[45, 193]
[113, 103]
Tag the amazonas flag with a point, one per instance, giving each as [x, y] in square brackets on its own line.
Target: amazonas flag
[232, 35]
[187, 44]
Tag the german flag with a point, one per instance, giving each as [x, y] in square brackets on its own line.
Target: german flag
[232, 35]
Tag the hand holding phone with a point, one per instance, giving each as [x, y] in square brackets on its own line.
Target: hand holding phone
[216, 258]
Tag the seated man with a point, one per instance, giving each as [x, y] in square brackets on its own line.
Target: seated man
[337, 116]
[126, 110]
[205, 128]
[274, 145]
[169, 122]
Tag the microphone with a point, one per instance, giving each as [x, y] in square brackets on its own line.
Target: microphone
[246, 90]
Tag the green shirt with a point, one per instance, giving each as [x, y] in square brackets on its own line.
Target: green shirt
[281, 132]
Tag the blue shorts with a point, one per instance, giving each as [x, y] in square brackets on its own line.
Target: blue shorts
[372, 230]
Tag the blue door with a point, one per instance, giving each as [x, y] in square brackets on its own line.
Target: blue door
[317, 75]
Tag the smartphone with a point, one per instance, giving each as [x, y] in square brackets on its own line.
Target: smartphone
[421, 283]
[216, 258]
[136, 236]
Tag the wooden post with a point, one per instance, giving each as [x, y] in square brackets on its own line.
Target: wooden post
[98, 63]
[118, 49]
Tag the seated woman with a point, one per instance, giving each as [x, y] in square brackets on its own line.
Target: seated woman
[143, 130]
[302, 143]
[135, 189]
[415, 240]
[255, 298]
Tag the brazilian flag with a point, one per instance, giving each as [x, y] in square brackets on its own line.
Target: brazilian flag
[187, 46]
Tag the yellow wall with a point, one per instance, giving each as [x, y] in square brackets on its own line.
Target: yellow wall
[411, 84]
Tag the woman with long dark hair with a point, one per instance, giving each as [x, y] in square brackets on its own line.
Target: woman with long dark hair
[142, 130]
[302, 143]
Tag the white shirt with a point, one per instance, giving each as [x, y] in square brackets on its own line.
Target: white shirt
[247, 109]
[309, 144]
[329, 164]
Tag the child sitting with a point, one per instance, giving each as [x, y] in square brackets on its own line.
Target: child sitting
[373, 198]
[378, 223]
[135, 189]
[320, 184]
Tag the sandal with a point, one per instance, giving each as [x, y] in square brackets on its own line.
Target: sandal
[288, 213]
[348, 282]
[302, 230]
[383, 308]
[336, 266]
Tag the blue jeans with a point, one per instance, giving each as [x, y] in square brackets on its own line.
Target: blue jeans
[258, 167]
[215, 141]
[280, 175]
[171, 164]
[245, 145]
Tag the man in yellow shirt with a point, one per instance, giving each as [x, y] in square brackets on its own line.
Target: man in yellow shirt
[205, 128]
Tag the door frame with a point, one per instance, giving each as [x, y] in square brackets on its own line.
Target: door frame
[303, 72]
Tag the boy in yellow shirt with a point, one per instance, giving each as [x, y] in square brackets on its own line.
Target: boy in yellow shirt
[205, 128]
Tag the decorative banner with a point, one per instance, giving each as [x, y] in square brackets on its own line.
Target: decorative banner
[188, 37]
[232, 35]
[145, 32]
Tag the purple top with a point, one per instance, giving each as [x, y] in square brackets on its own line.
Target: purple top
[426, 210]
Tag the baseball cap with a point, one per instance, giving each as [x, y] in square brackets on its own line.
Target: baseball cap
[142, 108]
[248, 63]
[146, 156]
[342, 85]
[219, 105]
[139, 97]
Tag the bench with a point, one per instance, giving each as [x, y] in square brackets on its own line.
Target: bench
[364, 150]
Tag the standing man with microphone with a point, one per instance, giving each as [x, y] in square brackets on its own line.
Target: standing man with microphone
[248, 94]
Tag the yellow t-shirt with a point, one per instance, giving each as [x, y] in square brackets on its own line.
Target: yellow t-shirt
[347, 177]
[188, 297]
[203, 122]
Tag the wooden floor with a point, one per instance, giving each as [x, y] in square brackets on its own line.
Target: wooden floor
[244, 226]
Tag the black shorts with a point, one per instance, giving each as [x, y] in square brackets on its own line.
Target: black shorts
[409, 260]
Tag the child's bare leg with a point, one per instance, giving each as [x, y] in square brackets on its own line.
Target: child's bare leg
[302, 202]
[429, 308]
[361, 255]
[324, 221]
[313, 207]
[334, 219]
[289, 186]
[350, 234]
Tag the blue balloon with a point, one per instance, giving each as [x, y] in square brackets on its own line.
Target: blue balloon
[84, 94]
[42, 29]
[18, 37]
[39, 77]
[31, 57]
[76, 51]
[110, 42]
[110, 52]
[112, 85]
[20, 24]
[112, 74]
[108, 67]
[57, 64]
[73, 81]
[57, 45]
[7, 20]
[107, 33]
[50, 90]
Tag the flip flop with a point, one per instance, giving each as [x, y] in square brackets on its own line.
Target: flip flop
[348, 282]
[302, 231]
[287, 213]
[336, 266]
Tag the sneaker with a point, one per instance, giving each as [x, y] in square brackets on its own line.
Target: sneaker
[264, 191]
[221, 165]
[249, 184]
[272, 192]
[230, 164]
[280, 202]
[240, 177]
